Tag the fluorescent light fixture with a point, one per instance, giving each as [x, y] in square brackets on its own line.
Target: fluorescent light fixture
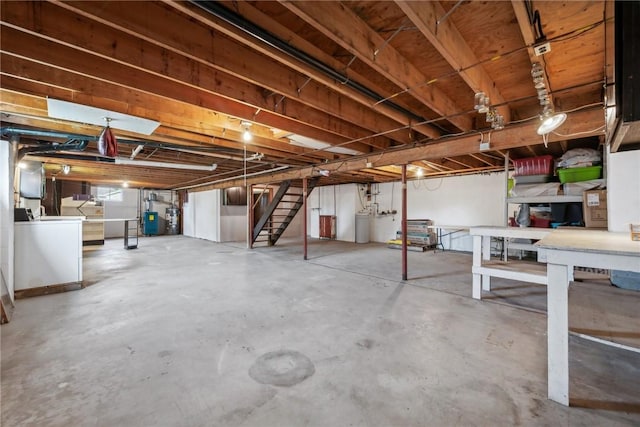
[551, 122]
[148, 163]
[303, 141]
[97, 116]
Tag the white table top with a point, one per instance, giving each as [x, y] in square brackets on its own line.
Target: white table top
[598, 241]
[449, 227]
[110, 219]
[515, 232]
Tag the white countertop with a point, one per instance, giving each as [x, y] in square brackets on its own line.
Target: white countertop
[515, 232]
[598, 241]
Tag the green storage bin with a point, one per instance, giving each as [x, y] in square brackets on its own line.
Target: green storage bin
[579, 174]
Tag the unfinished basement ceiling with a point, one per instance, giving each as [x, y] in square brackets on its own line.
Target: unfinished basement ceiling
[372, 84]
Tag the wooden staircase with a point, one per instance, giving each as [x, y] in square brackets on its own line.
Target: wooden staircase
[280, 212]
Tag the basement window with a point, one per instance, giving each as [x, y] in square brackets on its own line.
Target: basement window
[108, 193]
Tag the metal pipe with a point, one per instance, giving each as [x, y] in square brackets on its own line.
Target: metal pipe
[250, 216]
[149, 163]
[7, 131]
[304, 217]
[404, 222]
[49, 147]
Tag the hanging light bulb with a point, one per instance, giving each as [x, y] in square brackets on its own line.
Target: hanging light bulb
[246, 133]
[419, 172]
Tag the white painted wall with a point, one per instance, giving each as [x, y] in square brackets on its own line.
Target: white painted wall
[126, 208]
[6, 215]
[623, 190]
[341, 201]
[460, 200]
[189, 216]
[233, 223]
[463, 200]
[202, 215]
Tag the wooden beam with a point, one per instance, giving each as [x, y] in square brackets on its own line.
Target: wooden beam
[147, 21]
[336, 21]
[579, 123]
[173, 115]
[305, 69]
[448, 41]
[458, 162]
[145, 57]
[479, 158]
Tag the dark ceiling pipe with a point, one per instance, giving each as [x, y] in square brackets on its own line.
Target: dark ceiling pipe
[232, 18]
[49, 147]
[66, 156]
[8, 131]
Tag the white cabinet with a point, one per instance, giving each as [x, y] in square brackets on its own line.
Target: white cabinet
[47, 253]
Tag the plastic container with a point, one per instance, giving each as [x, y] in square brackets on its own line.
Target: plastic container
[541, 165]
[579, 174]
[540, 222]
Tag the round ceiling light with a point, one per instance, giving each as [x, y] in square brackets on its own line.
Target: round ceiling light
[551, 122]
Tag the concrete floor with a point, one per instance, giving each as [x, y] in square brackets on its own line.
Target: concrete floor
[185, 332]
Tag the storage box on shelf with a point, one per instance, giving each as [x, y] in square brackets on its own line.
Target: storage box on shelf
[541, 165]
[595, 209]
[579, 174]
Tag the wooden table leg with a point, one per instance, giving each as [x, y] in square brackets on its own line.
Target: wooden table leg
[558, 333]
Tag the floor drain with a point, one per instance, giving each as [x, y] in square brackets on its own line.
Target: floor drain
[282, 368]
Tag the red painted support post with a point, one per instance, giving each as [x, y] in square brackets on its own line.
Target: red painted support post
[404, 222]
[304, 215]
[250, 218]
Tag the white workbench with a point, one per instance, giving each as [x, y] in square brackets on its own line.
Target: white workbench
[483, 268]
[565, 249]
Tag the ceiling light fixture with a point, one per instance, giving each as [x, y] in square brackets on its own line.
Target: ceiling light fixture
[549, 119]
[125, 184]
[66, 169]
[419, 172]
[483, 105]
[246, 133]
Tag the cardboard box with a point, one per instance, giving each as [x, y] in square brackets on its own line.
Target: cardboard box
[594, 207]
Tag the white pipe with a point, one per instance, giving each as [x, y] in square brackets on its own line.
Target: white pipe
[123, 161]
[246, 175]
[135, 152]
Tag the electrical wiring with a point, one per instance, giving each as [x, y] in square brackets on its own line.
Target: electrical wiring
[599, 128]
